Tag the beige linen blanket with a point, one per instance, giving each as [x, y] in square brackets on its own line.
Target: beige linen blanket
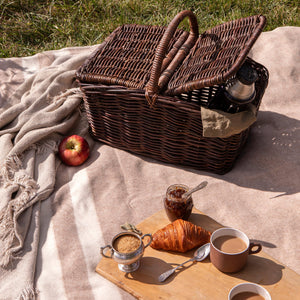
[54, 244]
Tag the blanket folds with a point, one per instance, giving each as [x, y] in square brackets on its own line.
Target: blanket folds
[37, 136]
[48, 108]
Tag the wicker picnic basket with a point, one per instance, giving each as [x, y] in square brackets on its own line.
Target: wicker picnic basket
[145, 85]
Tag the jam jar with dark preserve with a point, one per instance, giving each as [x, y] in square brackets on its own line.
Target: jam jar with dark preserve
[175, 206]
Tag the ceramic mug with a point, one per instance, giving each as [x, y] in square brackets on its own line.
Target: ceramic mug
[248, 287]
[231, 262]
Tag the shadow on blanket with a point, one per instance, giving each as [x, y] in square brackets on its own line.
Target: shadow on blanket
[269, 159]
[272, 153]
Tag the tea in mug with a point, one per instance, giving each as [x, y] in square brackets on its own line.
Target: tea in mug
[247, 296]
[230, 244]
[126, 243]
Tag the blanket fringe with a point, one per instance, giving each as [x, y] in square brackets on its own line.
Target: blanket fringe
[27, 187]
[44, 146]
[28, 293]
[11, 165]
[59, 99]
[23, 188]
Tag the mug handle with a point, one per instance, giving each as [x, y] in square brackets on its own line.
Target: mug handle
[253, 245]
[104, 253]
[150, 236]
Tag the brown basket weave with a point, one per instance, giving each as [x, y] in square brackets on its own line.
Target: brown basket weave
[145, 85]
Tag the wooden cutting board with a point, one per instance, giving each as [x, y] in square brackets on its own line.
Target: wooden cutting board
[197, 280]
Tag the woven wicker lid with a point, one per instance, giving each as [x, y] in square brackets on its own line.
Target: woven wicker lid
[217, 55]
[126, 56]
[170, 60]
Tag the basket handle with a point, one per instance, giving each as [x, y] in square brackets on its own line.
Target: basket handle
[156, 80]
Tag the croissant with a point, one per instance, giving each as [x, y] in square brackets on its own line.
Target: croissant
[180, 236]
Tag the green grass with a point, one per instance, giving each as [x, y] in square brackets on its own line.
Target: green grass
[31, 26]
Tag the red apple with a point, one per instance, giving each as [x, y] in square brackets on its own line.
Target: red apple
[74, 150]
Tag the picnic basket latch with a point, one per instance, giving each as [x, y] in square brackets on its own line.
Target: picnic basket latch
[157, 80]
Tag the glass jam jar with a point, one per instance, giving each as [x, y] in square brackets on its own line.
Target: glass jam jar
[175, 206]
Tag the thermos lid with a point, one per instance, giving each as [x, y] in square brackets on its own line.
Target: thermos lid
[246, 74]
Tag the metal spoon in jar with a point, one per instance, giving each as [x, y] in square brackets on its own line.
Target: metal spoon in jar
[196, 188]
[200, 254]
